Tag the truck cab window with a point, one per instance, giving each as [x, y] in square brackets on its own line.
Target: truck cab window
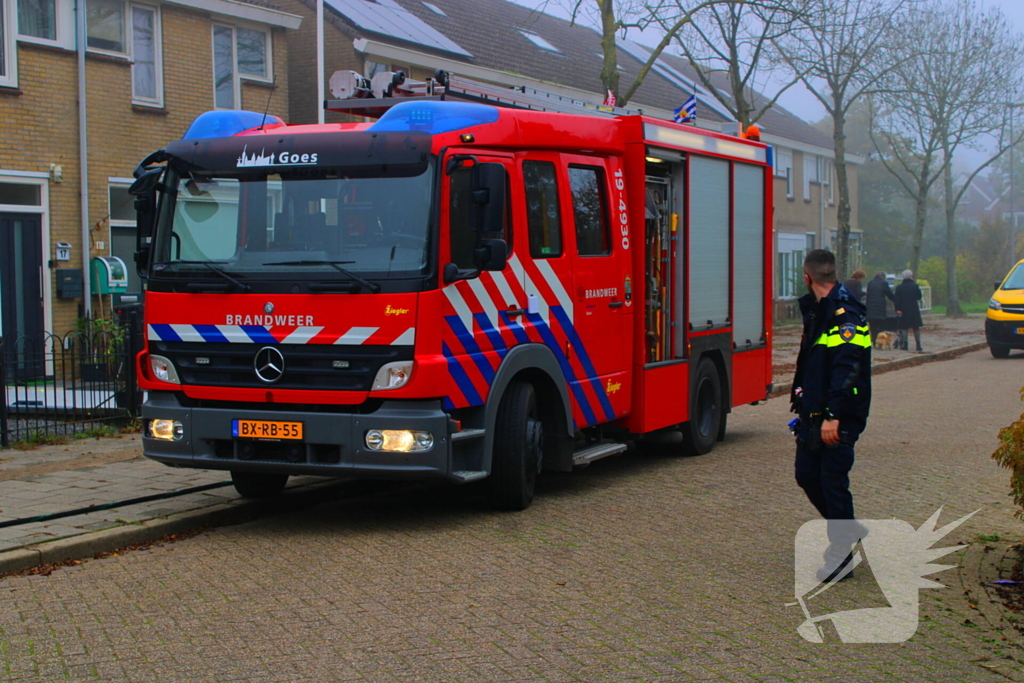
[542, 216]
[590, 210]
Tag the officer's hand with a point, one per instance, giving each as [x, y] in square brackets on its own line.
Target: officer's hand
[830, 432]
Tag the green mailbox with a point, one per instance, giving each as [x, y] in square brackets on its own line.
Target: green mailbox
[109, 275]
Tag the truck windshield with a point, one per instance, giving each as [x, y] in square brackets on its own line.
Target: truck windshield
[251, 224]
[1016, 278]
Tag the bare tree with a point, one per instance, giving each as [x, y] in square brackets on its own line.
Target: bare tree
[841, 51]
[736, 40]
[956, 91]
[953, 90]
[907, 146]
[615, 17]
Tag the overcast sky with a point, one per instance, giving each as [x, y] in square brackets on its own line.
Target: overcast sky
[797, 99]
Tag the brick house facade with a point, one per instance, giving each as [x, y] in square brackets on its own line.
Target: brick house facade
[149, 71]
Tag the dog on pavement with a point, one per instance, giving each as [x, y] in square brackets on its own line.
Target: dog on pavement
[885, 341]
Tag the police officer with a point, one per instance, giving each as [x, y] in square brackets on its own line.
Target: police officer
[831, 394]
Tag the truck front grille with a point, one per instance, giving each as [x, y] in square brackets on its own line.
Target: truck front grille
[306, 366]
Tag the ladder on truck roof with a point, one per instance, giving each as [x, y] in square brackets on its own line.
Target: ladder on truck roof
[362, 96]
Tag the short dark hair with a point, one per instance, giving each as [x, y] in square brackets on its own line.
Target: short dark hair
[820, 264]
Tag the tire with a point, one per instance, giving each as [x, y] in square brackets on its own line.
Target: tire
[998, 350]
[258, 484]
[518, 445]
[706, 411]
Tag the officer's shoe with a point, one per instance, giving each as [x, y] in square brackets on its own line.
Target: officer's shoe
[837, 559]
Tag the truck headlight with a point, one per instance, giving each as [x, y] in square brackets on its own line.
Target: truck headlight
[163, 370]
[995, 305]
[393, 375]
[400, 440]
[166, 430]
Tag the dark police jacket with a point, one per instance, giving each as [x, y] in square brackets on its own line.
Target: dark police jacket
[834, 366]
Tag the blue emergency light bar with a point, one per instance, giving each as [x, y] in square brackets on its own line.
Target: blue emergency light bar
[224, 124]
[435, 117]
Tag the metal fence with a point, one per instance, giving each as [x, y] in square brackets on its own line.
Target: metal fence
[56, 386]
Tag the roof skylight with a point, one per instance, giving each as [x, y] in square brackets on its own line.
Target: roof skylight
[435, 9]
[538, 41]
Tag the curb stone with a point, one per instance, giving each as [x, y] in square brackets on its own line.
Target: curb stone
[784, 388]
[88, 544]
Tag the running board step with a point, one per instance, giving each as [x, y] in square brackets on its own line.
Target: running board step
[468, 434]
[596, 452]
[466, 476]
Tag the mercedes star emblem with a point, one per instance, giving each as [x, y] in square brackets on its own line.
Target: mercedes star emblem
[269, 364]
[268, 308]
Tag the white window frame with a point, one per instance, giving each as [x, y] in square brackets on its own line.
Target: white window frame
[10, 47]
[158, 50]
[238, 77]
[810, 171]
[123, 183]
[64, 28]
[784, 169]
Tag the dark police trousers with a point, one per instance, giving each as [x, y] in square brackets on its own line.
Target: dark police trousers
[823, 472]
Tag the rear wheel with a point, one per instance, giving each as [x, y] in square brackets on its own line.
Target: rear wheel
[518, 442]
[258, 484]
[998, 350]
[706, 411]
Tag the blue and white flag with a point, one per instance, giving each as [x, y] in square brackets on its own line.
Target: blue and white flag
[687, 112]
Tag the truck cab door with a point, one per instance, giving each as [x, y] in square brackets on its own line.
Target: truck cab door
[599, 247]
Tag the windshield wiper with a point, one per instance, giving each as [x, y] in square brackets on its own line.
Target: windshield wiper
[372, 286]
[244, 287]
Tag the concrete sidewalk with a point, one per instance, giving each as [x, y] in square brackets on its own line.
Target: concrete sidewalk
[93, 472]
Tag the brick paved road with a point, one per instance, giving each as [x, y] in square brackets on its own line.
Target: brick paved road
[640, 568]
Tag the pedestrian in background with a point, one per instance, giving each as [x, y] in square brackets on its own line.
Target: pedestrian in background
[854, 284]
[832, 395]
[908, 294]
[878, 292]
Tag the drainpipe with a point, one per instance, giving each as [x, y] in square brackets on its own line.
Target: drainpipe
[83, 159]
[320, 96]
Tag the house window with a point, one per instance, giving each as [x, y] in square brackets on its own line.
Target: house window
[810, 174]
[104, 25]
[238, 53]
[784, 169]
[147, 86]
[38, 19]
[8, 75]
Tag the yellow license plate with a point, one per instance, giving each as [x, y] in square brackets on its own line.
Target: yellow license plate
[1020, 330]
[266, 429]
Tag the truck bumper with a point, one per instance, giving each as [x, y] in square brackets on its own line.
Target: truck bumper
[333, 444]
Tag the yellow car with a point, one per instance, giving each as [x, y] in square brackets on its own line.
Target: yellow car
[1004, 324]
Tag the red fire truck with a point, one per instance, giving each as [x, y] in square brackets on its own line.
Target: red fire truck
[479, 284]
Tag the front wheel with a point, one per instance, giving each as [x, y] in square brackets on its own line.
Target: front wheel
[518, 443]
[998, 350]
[706, 411]
[258, 484]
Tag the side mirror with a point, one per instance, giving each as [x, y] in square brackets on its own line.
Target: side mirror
[996, 285]
[488, 210]
[145, 220]
[490, 254]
